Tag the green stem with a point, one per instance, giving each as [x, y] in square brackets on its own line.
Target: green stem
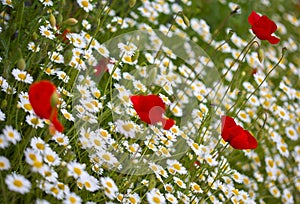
[276, 65]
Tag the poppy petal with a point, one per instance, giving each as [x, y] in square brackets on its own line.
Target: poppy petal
[253, 17]
[273, 40]
[167, 123]
[151, 109]
[227, 124]
[39, 96]
[146, 103]
[243, 140]
[263, 27]
[58, 126]
[268, 24]
[156, 114]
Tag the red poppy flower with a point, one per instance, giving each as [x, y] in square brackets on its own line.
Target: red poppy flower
[150, 109]
[43, 99]
[235, 135]
[263, 27]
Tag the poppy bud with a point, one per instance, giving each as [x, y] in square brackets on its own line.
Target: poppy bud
[3, 104]
[54, 99]
[52, 20]
[185, 20]
[260, 55]
[70, 21]
[35, 36]
[284, 49]
[21, 64]
[132, 3]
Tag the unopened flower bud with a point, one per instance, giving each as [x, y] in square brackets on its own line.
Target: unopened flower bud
[52, 21]
[70, 21]
[21, 64]
[54, 99]
[3, 104]
[260, 55]
[35, 36]
[185, 20]
[132, 3]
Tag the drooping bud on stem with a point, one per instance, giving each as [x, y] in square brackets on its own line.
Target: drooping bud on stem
[185, 19]
[260, 55]
[70, 21]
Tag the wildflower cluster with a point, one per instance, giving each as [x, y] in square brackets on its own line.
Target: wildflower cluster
[157, 101]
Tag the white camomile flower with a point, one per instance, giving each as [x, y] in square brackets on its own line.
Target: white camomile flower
[18, 183]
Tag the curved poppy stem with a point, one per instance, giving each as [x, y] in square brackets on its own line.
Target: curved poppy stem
[267, 75]
[245, 51]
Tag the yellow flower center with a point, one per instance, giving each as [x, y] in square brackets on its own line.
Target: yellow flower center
[97, 142]
[85, 3]
[156, 200]
[197, 187]
[127, 59]
[131, 149]
[177, 166]
[77, 170]
[28, 106]
[109, 184]
[132, 200]
[18, 183]
[34, 121]
[60, 140]
[291, 132]
[11, 134]
[46, 32]
[127, 127]
[50, 158]
[72, 200]
[40, 146]
[106, 157]
[87, 184]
